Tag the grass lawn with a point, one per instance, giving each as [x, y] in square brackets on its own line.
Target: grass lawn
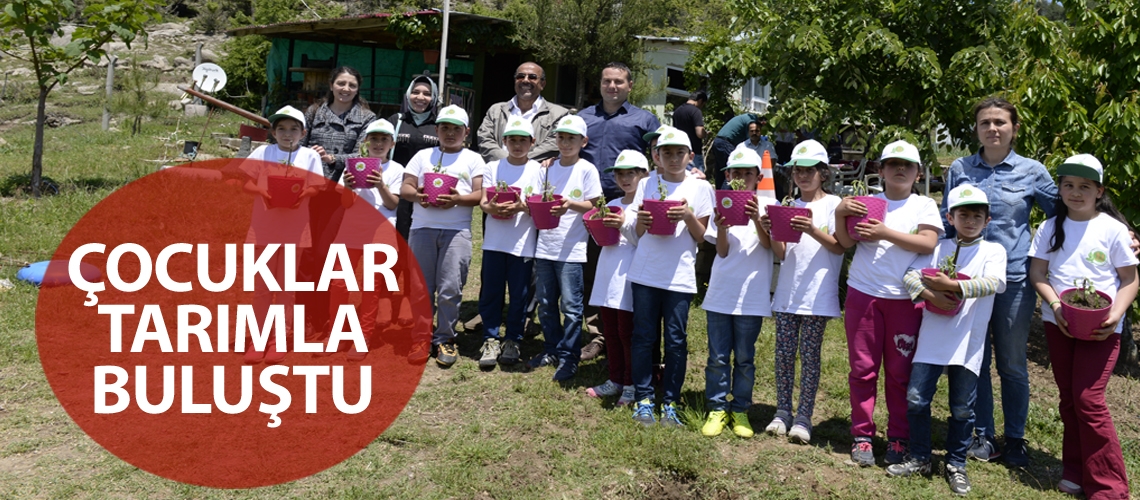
[467, 433]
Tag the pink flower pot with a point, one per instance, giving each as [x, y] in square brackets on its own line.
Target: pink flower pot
[876, 209]
[930, 307]
[438, 184]
[510, 196]
[540, 211]
[781, 218]
[1082, 322]
[659, 209]
[732, 204]
[360, 168]
[284, 190]
[603, 236]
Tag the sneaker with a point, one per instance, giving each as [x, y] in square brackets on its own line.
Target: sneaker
[983, 449]
[627, 396]
[420, 353]
[715, 423]
[490, 352]
[1016, 451]
[593, 349]
[801, 431]
[779, 425]
[741, 426]
[910, 467]
[643, 413]
[605, 390]
[897, 451]
[446, 354]
[862, 453]
[355, 355]
[566, 371]
[541, 360]
[957, 479]
[669, 416]
[1069, 487]
[509, 354]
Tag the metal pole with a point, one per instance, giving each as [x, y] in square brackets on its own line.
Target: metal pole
[443, 52]
[110, 86]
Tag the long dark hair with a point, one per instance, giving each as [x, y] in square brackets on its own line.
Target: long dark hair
[1103, 205]
[358, 100]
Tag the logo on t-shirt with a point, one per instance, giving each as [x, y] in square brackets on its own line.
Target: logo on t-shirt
[576, 194]
[914, 231]
[1097, 257]
[825, 229]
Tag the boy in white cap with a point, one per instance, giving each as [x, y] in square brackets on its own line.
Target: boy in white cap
[560, 254]
[952, 342]
[508, 245]
[662, 292]
[275, 222]
[440, 236]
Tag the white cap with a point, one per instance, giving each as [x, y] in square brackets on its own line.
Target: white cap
[673, 137]
[628, 159]
[808, 154]
[743, 157]
[966, 194]
[1082, 165]
[572, 124]
[519, 126]
[287, 112]
[380, 126]
[452, 114]
[649, 136]
[902, 150]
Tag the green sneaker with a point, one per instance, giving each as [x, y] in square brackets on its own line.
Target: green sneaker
[715, 423]
[740, 425]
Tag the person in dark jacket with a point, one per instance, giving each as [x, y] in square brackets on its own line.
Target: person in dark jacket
[415, 130]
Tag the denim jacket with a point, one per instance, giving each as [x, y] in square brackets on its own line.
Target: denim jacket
[1012, 187]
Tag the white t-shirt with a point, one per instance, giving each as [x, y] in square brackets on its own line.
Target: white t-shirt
[517, 235]
[960, 339]
[654, 260]
[358, 227]
[567, 242]
[809, 275]
[611, 288]
[741, 282]
[1093, 249]
[878, 267]
[281, 225]
[465, 165]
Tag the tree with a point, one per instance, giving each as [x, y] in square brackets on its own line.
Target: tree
[28, 26]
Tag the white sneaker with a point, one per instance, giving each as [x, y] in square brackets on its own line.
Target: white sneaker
[801, 431]
[779, 424]
[627, 396]
[605, 390]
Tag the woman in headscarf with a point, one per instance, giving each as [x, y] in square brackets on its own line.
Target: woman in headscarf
[415, 130]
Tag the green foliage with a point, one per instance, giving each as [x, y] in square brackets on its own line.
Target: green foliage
[247, 76]
[135, 99]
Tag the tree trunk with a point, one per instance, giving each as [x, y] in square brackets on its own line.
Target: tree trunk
[38, 148]
[580, 89]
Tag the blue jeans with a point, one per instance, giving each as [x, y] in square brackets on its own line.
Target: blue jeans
[502, 272]
[728, 335]
[652, 306]
[1009, 336]
[560, 289]
[923, 385]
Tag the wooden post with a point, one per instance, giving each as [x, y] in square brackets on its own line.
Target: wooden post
[198, 55]
[4, 90]
[110, 86]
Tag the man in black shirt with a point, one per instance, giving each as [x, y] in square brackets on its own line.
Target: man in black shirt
[690, 120]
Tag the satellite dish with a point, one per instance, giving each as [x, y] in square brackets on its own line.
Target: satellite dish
[209, 77]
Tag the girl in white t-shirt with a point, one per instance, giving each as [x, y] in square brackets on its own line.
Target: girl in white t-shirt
[1085, 240]
[881, 320]
[807, 291]
[736, 302]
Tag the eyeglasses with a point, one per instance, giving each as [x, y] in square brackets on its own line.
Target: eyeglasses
[527, 76]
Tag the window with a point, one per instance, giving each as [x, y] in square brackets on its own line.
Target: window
[675, 82]
[754, 95]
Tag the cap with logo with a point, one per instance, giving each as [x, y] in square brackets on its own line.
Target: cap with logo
[1082, 165]
[673, 137]
[572, 124]
[966, 194]
[287, 112]
[808, 153]
[649, 136]
[629, 159]
[519, 126]
[901, 150]
[380, 126]
[452, 114]
[743, 157]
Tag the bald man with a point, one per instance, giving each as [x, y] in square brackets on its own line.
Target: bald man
[528, 104]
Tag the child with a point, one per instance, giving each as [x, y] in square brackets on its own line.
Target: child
[737, 300]
[284, 225]
[560, 254]
[611, 293]
[807, 291]
[359, 225]
[1087, 239]
[440, 236]
[881, 320]
[508, 246]
[952, 343]
[662, 290]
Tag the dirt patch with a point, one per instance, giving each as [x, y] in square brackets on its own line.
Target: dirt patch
[671, 486]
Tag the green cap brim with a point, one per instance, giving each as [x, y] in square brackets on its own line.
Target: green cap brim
[804, 162]
[453, 121]
[650, 136]
[516, 132]
[1078, 170]
[623, 167]
[568, 131]
[740, 165]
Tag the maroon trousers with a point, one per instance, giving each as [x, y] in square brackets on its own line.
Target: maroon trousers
[617, 329]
